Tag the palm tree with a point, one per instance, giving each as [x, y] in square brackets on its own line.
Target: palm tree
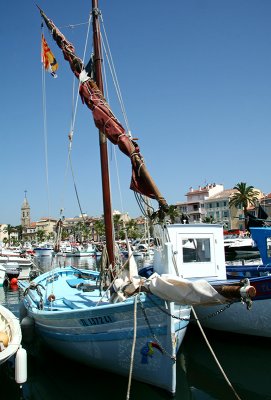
[79, 231]
[99, 228]
[65, 234]
[173, 213]
[86, 231]
[132, 230]
[117, 224]
[9, 229]
[244, 197]
[40, 235]
[19, 230]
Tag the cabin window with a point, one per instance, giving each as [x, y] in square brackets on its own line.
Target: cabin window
[196, 250]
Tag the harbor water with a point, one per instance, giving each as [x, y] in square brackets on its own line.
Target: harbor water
[236, 367]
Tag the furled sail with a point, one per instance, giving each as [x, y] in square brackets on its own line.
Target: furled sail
[105, 120]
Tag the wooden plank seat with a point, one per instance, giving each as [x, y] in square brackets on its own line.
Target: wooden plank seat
[77, 304]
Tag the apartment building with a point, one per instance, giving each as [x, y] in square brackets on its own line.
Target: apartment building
[211, 204]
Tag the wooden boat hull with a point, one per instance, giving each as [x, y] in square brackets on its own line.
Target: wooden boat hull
[103, 336]
[236, 319]
[11, 326]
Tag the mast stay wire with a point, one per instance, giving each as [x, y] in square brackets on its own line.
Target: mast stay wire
[139, 198]
[73, 119]
[111, 66]
[114, 77]
[112, 147]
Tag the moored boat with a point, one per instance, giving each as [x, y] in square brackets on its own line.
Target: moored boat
[3, 275]
[10, 334]
[241, 246]
[43, 250]
[257, 321]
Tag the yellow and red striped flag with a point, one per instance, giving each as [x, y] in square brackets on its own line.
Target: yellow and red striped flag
[47, 58]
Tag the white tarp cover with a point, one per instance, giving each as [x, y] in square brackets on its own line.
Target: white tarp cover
[183, 291]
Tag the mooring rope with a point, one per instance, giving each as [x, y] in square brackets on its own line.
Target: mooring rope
[133, 349]
[213, 354]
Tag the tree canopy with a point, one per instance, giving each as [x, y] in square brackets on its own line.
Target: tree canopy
[244, 197]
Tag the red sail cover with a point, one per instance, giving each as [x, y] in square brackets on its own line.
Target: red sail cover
[103, 117]
[107, 123]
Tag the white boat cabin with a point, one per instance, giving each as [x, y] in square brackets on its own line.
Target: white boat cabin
[197, 249]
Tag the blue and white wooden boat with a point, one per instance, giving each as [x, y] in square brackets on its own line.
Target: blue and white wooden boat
[139, 328]
[73, 318]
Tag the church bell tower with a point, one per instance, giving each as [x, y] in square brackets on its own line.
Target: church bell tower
[25, 213]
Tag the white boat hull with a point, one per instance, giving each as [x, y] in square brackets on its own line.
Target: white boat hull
[43, 252]
[2, 275]
[236, 319]
[103, 336]
[11, 326]
[112, 351]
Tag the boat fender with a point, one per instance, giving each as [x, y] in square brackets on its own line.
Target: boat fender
[3, 340]
[28, 329]
[21, 366]
[51, 298]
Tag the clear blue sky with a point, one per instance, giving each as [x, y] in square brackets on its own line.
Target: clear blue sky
[195, 77]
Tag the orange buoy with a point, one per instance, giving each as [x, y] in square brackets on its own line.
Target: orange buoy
[13, 281]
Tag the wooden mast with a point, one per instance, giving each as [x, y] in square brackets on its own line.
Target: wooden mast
[108, 218]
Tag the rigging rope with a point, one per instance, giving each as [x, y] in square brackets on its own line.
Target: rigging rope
[75, 188]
